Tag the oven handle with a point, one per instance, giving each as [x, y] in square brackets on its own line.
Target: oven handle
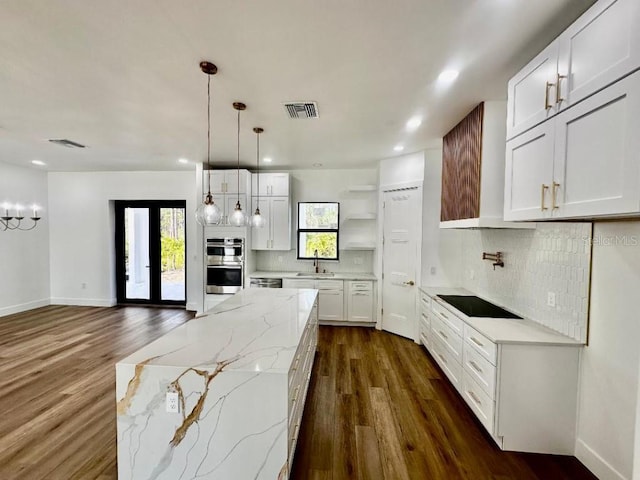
[234, 266]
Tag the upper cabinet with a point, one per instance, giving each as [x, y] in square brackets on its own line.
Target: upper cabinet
[598, 49]
[473, 170]
[226, 181]
[580, 159]
[271, 184]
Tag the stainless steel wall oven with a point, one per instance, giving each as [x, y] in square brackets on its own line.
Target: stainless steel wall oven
[225, 265]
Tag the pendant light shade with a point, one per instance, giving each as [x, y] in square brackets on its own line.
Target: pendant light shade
[208, 213]
[239, 217]
[258, 220]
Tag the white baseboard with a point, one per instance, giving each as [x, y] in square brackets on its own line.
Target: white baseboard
[23, 307]
[594, 462]
[84, 302]
[192, 306]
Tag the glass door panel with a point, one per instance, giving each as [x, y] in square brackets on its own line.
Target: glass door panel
[172, 254]
[137, 263]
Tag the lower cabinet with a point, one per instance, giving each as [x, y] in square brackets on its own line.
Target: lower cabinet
[340, 301]
[523, 394]
[299, 379]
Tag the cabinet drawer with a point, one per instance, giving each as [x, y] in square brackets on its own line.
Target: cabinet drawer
[479, 401]
[454, 322]
[361, 286]
[481, 344]
[479, 368]
[451, 367]
[329, 284]
[451, 341]
[425, 301]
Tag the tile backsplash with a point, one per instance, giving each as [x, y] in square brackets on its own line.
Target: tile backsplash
[350, 261]
[555, 259]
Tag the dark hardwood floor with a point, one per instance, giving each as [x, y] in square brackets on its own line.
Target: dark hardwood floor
[378, 408]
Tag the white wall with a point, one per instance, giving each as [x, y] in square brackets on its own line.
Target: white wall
[608, 398]
[330, 186]
[82, 230]
[24, 256]
[440, 248]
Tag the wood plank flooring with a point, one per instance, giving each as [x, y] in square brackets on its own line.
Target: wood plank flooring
[378, 407]
[57, 387]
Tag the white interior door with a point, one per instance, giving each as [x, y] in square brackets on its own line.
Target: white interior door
[399, 261]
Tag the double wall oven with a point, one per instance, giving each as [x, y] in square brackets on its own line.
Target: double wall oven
[225, 265]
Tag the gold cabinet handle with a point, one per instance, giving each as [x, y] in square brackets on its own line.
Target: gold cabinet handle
[410, 282]
[559, 98]
[443, 335]
[553, 195]
[547, 105]
[474, 397]
[542, 190]
[444, 360]
[476, 341]
[475, 366]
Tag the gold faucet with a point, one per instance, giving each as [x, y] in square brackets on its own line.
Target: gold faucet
[316, 262]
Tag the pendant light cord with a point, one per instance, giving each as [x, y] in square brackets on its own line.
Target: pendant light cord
[258, 165]
[238, 156]
[209, 133]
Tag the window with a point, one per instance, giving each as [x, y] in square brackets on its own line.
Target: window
[318, 230]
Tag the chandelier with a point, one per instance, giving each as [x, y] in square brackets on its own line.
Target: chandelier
[14, 222]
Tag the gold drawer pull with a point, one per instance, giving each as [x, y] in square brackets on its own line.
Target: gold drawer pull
[542, 190]
[475, 366]
[444, 315]
[559, 99]
[553, 195]
[442, 358]
[443, 335]
[473, 396]
[547, 105]
[477, 342]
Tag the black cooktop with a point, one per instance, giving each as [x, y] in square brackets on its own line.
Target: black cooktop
[473, 306]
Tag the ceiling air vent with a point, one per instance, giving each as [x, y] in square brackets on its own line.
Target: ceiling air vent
[302, 109]
[66, 143]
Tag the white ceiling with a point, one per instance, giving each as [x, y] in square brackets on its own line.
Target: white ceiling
[122, 77]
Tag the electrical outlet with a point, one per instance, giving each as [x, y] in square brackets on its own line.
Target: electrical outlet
[173, 402]
[472, 274]
[83, 286]
[551, 299]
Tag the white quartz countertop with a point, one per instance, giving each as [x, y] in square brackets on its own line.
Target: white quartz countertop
[255, 330]
[502, 330]
[335, 276]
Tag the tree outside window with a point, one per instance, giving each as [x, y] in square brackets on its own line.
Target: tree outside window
[318, 230]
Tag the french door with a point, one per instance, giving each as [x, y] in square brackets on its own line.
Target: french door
[150, 252]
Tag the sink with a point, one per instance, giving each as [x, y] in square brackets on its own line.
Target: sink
[314, 275]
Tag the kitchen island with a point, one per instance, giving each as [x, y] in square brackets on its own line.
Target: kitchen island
[239, 376]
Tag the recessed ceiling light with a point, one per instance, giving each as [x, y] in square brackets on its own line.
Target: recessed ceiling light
[183, 160]
[448, 76]
[40, 163]
[267, 159]
[413, 123]
[398, 148]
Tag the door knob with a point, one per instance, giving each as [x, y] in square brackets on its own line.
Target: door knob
[410, 282]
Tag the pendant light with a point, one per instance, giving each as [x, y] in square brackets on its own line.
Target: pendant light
[208, 213]
[238, 218]
[257, 220]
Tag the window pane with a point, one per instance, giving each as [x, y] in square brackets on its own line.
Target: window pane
[325, 242]
[136, 248]
[172, 253]
[318, 215]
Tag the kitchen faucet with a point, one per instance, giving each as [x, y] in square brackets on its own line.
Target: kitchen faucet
[316, 262]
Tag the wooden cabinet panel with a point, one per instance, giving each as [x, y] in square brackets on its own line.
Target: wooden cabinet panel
[461, 161]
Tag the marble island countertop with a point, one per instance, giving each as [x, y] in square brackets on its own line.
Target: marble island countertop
[335, 276]
[259, 328]
[502, 330]
[211, 399]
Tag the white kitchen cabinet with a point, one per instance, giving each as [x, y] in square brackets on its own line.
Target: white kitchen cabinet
[229, 201]
[531, 97]
[598, 49]
[271, 184]
[360, 301]
[276, 234]
[330, 296]
[226, 181]
[503, 383]
[580, 164]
